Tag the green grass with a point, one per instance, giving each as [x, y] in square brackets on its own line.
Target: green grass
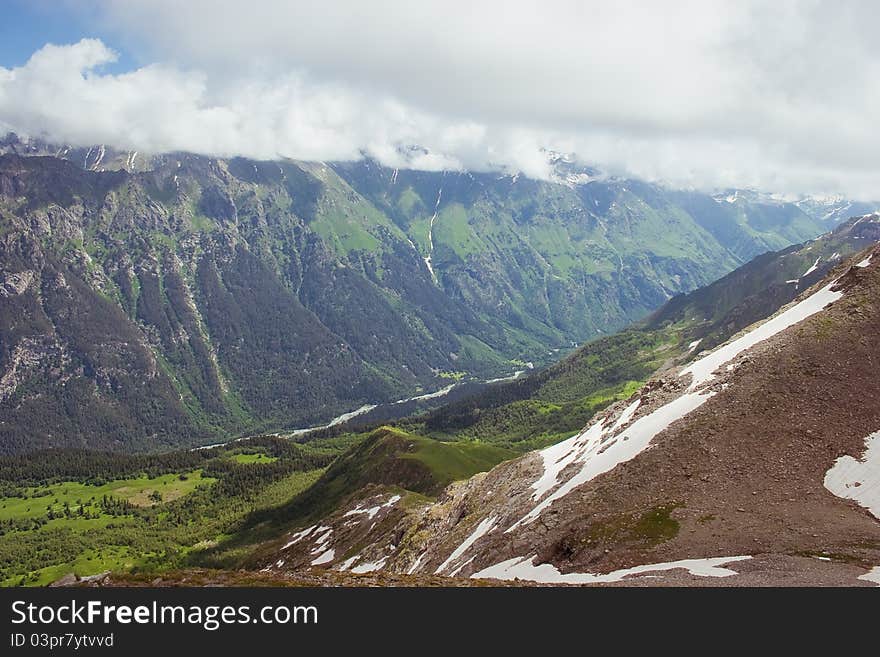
[90, 562]
[408, 202]
[556, 244]
[474, 351]
[163, 240]
[136, 490]
[450, 462]
[657, 525]
[418, 232]
[415, 467]
[334, 445]
[148, 538]
[392, 458]
[228, 550]
[453, 376]
[202, 224]
[647, 529]
[113, 558]
[259, 457]
[280, 491]
[344, 234]
[345, 220]
[451, 229]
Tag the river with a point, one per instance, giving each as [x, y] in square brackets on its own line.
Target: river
[387, 410]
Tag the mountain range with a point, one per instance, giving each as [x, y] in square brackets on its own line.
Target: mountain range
[724, 439]
[750, 462]
[175, 300]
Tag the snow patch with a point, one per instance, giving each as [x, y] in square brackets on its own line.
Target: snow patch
[372, 511]
[835, 211]
[858, 479]
[461, 567]
[348, 562]
[485, 526]
[872, 575]
[545, 573]
[415, 566]
[600, 450]
[369, 566]
[324, 557]
[702, 369]
[321, 536]
[558, 457]
[298, 536]
[600, 456]
[813, 268]
[626, 415]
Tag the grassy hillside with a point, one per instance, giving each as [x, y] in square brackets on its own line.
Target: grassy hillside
[385, 459]
[392, 457]
[85, 512]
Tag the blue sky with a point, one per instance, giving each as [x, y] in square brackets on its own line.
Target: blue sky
[28, 25]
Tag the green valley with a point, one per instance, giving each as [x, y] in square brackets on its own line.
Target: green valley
[87, 512]
[199, 298]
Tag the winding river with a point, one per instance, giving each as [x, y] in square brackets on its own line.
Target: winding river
[369, 408]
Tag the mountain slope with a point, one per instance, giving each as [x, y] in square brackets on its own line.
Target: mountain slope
[753, 464]
[177, 299]
[394, 458]
[547, 406]
[551, 250]
[379, 478]
[715, 312]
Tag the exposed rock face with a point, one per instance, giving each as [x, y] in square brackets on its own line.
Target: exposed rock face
[719, 469]
[15, 282]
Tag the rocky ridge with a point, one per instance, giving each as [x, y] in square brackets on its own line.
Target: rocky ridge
[714, 473]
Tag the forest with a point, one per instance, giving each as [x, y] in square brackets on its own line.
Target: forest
[64, 511]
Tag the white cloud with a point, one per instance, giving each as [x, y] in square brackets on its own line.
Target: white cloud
[781, 96]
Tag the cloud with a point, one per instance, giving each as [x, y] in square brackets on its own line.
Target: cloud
[779, 96]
